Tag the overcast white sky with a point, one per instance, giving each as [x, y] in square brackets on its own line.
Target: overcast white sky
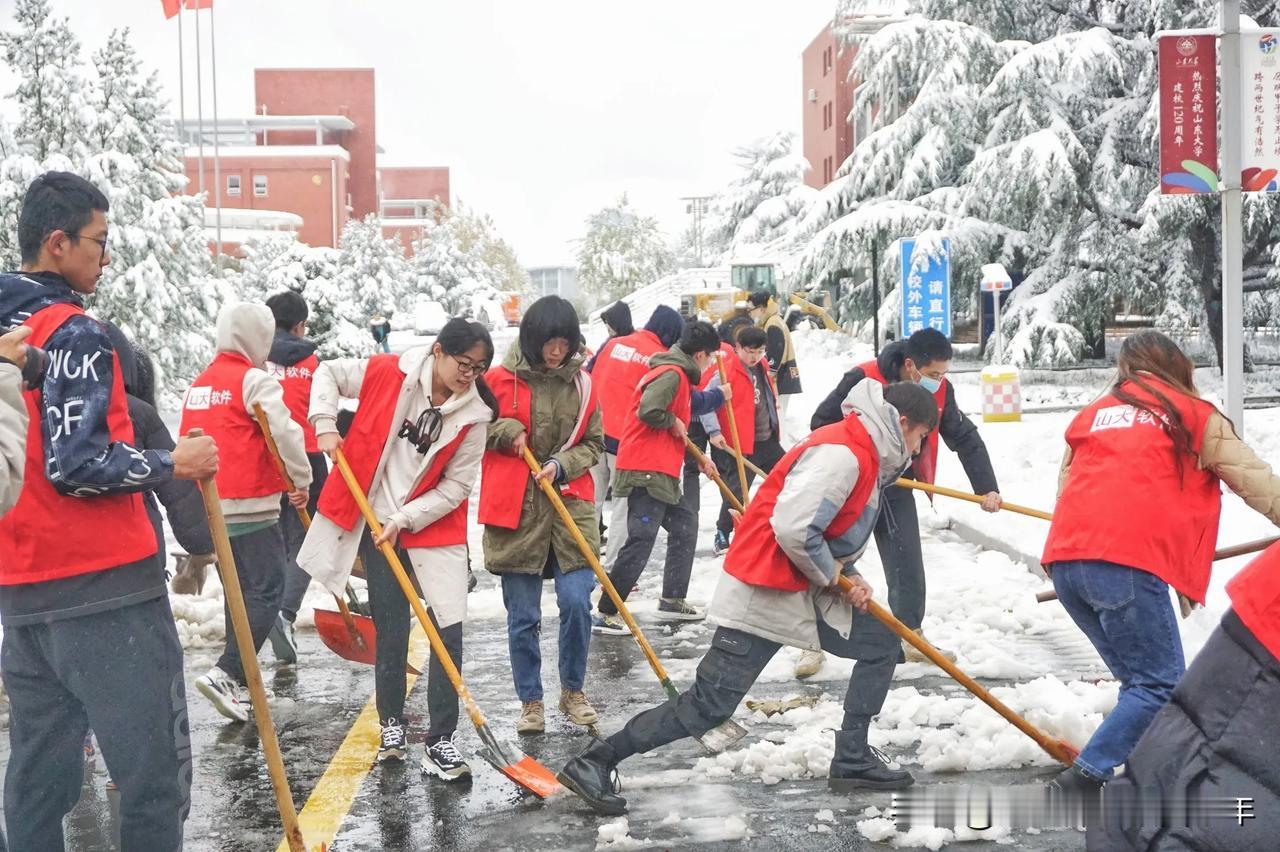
[544, 111]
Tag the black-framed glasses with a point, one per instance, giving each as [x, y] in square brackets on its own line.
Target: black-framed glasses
[469, 368]
[425, 431]
[105, 243]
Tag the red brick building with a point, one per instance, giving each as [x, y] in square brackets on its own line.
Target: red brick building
[310, 148]
[828, 135]
[409, 198]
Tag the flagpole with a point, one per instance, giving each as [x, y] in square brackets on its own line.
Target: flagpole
[199, 102]
[217, 169]
[182, 92]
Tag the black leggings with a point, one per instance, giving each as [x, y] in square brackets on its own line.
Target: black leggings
[392, 617]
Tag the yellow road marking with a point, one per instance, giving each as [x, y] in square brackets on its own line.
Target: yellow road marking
[336, 790]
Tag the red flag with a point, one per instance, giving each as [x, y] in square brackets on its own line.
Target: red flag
[171, 8]
[198, 4]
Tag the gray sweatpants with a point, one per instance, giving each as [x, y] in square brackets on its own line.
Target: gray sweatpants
[260, 562]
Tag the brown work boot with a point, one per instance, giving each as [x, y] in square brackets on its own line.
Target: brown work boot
[914, 656]
[574, 704]
[532, 718]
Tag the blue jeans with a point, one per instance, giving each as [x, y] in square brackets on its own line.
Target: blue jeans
[1127, 615]
[522, 596]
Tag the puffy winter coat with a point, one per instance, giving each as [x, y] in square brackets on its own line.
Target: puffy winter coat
[556, 406]
[181, 498]
[13, 435]
[780, 352]
[820, 481]
[1216, 739]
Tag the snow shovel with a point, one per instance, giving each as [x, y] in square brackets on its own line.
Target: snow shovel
[524, 771]
[249, 658]
[339, 631]
[733, 430]
[715, 740]
[1057, 749]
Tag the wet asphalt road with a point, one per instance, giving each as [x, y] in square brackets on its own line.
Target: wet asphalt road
[397, 808]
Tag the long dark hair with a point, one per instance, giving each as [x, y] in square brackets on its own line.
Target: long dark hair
[460, 336]
[548, 318]
[145, 378]
[1147, 355]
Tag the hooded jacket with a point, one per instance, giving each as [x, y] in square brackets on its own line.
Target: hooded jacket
[957, 431]
[555, 411]
[329, 551]
[816, 486]
[653, 408]
[618, 318]
[293, 363]
[246, 330]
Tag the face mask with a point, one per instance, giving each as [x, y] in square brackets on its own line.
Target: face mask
[930, 384]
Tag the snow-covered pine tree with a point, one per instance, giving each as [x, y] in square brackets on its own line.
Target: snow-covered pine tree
[462, 262]
[378, 274]
[1030, 129]
[159, 287]
[53, 115]
[622, 251]
[338, 318]
[760, 207]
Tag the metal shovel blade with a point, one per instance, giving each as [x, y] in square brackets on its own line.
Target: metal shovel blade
[722, 736]
[337, 638]
[531, 775]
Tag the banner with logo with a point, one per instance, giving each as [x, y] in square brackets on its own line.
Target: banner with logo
[1188, 114]
[1260, 116]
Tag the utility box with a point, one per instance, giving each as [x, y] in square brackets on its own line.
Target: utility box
[1001, 394]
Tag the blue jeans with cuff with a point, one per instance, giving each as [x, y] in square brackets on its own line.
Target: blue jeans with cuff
[522, 596]
[1128, 616]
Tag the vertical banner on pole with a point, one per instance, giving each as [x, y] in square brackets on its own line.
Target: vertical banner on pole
[1260, 84]
[926, 285]
[1188, 114]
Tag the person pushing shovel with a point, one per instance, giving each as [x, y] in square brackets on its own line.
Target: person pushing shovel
[810, 520]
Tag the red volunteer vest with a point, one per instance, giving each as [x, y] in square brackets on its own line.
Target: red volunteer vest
[503, 476]
[364, 445]
[924, 467]
[755, 557]
[296, 383]
[51, 536]
[1127, 499]
[644, 448]
[215, 403]
[743, 402]
[726, 352]
[1255, 596]
[622, 362]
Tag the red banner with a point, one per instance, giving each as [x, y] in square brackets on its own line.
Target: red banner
[171, 8]
[1188, 114]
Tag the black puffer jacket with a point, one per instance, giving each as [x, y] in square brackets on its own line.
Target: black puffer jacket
[1214, 744]
[957, 430]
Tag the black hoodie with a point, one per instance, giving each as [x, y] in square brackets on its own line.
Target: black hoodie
[957, 430]
[287, 350]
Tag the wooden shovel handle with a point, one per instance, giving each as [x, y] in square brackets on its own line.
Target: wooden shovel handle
[1057, 749]
[397, 569]
[715, 477]
[249, 659]
[736, 443]
[588, 554]
[972, 498]
[303, 515]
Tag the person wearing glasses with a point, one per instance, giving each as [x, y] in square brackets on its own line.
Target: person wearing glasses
[88, 631]
[415, 445]
[547, 404]
[221, 401]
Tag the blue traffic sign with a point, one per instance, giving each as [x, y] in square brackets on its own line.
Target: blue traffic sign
[926, 290]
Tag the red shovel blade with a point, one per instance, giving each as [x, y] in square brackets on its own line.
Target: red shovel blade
[335, 635]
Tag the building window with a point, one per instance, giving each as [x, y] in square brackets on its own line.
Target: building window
[260, 186]
[826, 61]
[233, 186]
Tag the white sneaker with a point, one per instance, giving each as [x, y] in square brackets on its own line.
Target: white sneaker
[224, 693]
[810, 663]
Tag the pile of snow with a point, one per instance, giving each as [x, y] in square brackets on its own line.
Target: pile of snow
[615, 834]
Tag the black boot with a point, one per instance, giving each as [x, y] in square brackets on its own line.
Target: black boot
[858, 766]
[593, 776]
[1076, 795]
